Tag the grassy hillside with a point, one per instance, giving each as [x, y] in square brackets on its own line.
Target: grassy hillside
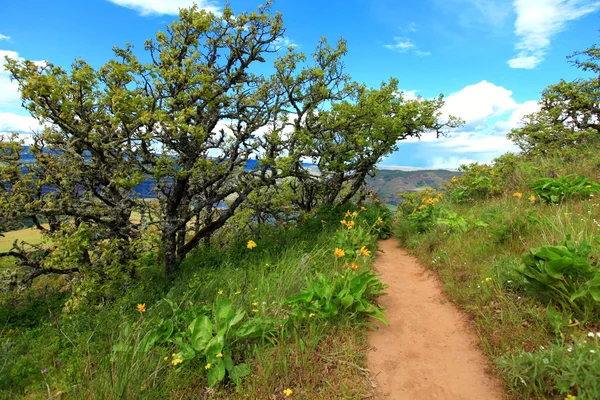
[537, 315]
[279, 312]
[388, 183]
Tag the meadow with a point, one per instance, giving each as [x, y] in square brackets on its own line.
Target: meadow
[517, 245]
[288, 310]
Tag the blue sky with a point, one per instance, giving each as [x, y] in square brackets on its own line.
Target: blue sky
[491, 58]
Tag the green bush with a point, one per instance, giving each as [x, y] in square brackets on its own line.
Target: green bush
[564, 275]
[558, 370]
[555, 190]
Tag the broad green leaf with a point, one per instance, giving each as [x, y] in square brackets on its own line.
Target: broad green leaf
[201, 332]
[347, 300]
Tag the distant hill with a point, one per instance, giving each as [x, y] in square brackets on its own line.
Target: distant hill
[388, 183]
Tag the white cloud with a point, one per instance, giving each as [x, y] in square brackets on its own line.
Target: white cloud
[161, 7]
[481, 142]
[449, 162]
[403, 45]
[9, 90]
[10, 97]
[538, 21]
[516, 117]
[4, 37]
[284, 43]
[409, 94]
[24, 125]
[475, 103]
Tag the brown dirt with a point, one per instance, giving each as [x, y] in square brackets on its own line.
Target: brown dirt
[428, 351]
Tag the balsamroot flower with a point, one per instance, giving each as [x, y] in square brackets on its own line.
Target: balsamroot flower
[141, 307]
[363, 250]
[339, 252]
[251, 244]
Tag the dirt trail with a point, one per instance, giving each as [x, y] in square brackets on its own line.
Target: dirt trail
[428, 351]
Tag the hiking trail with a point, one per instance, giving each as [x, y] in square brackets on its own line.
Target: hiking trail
[428, 351]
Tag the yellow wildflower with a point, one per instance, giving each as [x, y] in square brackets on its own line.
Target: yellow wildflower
[339, 252]
[343, 222]
[354, 266]
[207, 366]
[473, 183]
[255, 304]
[518, 194]
[287, 392]
[176, 361]
[488, 280]
[220, 355]
[422, 206]
[251, 244]
[532, 198]
[238, 292]
[166, 358]
[347, 214]
[363, 250]
[376, 200]
[363, 208]
[355, 214]
[254, 311]
[311, 315]
[220, 292]
[570, 397]
[350, 224]
[588, 186]
[141, 307]
[379, 220]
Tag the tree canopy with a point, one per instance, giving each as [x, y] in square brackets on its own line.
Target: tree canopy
[195, 116]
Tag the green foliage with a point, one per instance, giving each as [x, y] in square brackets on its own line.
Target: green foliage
[555, 190]
[347, 297]
[479, 181]
[558, 370]
[564, 275]
[209, 335]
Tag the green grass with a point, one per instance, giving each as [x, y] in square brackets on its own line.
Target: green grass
[99, 353]
[29, 235]
[479, 270]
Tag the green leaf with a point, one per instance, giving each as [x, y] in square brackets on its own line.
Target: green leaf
[235, 320]
[347, 300]
[215, 346]
[223, 310]
[201, 332]
[240, 371]
[595, 292]
[555, 268]
[228, 362]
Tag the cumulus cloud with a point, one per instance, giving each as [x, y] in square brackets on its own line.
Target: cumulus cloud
[403, 45]
[4, 37]
[161, 7]
[490, 112]
[24, 125]
[475, 103]
[538, 21]
[516, 117]
[9, 90]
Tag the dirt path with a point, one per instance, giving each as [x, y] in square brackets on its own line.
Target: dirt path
[428, 351]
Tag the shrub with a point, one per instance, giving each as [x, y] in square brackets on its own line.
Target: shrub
[564, 275]
[553, 190]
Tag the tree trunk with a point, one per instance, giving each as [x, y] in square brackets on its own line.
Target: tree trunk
[169, 247]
